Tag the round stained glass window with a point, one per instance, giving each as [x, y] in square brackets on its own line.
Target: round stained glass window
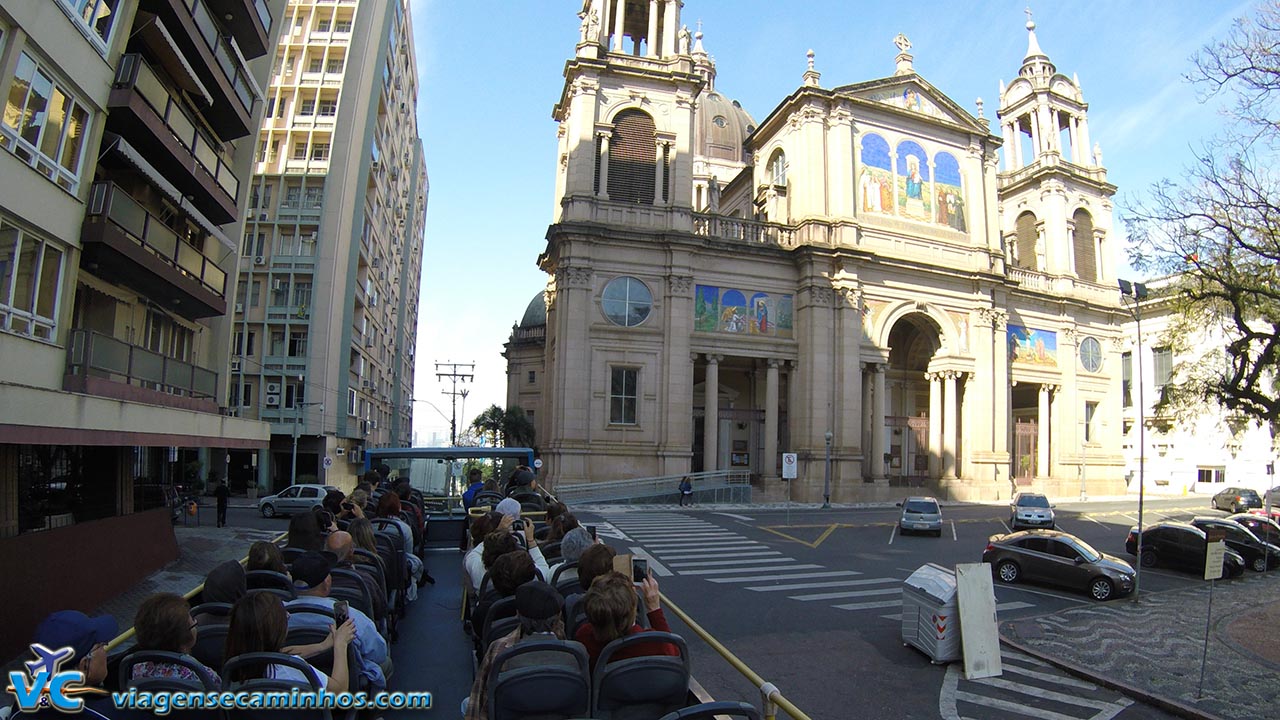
[1091, 354]
[626, 301]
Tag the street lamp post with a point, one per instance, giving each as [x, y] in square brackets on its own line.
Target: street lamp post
[826, 475]
[293, 460]
[1138, 292]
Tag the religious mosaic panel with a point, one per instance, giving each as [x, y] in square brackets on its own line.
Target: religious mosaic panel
[913, 182]
[1034, 347]
[875, 181]
[742, 312]
[948, 191]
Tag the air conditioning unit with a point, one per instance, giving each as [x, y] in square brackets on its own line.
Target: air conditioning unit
[273, 388]
[239, 308]
[273, 400]
[259, 260]
[356, 455]
[235, 365]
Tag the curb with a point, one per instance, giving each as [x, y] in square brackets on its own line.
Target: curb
[1167, 704]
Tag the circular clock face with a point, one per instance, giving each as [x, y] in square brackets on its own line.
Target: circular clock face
[1091, 354]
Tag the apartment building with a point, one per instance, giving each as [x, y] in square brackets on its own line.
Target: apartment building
[327, 298]
[127, 138]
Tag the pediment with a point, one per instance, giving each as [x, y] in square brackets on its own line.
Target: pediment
[913, 94]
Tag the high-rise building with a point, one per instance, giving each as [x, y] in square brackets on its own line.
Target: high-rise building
[327, 300]
[125, 149]
[854, 277]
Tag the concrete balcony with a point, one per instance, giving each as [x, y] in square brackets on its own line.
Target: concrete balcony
[133, 247]
[101, 365]
[248, 21]
[145, 113]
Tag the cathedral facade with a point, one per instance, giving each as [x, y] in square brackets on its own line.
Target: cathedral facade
[858, 274]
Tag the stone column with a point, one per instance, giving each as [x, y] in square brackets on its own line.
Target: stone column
[669, 28]
[868, 386]
[604, 165]
[651, 43]
[1042, 430]
[877, 423]
[848, 352]
[770, 461]
[711, 423]
[618, 25]
[657, 175]
[949, 428]
[935, 424]
[1000, 395]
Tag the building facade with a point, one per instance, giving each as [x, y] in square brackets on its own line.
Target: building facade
[855, 274]
[1180, 455]
[126, 140]
[327, 299]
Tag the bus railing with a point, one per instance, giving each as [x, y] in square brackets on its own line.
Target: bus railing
[770, 696]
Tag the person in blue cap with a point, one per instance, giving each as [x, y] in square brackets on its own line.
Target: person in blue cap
[87, 637]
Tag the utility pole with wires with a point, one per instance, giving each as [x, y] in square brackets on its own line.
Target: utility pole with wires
[455, 373]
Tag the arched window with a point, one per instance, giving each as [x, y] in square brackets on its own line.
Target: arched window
[632, 158]
[1026, 246]
[778, 168]
[1086, 255]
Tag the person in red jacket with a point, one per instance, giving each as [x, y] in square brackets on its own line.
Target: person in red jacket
[610, 605]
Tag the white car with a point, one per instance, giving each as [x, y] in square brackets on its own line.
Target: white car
[920, 514]
[293, 499]
[1031, 510]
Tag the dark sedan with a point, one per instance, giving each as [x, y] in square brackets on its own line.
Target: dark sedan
[1258, 556]
[1264, 529]
[1180, 546]
[1236, 499]
[1057, 558]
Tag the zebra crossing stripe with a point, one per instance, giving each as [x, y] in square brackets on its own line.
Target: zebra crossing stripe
[703, 563]
[1045, 694]
[850, 594]
[1047, 677]
[1018, 709]
[814, 586]
[870, 605]
[695, 554]
[699, 543]
[797, 576]
[723, 571]
[999, 607]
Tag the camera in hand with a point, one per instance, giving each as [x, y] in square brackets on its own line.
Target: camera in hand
[639, 569]
[518, 526]
[340, 613]
[592, 529]
[347, 506]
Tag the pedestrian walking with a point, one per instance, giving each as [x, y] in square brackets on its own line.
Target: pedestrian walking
[223, 494]
[686, 491]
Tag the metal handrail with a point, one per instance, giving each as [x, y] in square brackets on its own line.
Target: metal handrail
[769, 693]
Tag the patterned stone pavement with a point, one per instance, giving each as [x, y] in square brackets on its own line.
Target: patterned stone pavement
[1155, 646]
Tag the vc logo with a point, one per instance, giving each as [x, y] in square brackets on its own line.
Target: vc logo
[46, 684]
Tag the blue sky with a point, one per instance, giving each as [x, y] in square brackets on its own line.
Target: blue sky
[492, 69]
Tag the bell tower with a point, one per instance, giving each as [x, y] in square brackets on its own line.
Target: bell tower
[626, 113]
[1055, 200]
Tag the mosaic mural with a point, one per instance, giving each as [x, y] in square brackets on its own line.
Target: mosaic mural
[1034, 347]
[741, 312]
[917, 189]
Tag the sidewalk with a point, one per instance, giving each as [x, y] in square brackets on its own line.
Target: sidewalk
[1151, 650]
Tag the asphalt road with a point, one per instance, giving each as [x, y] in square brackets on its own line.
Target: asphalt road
[813, 605]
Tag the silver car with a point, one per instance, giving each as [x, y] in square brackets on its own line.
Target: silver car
[293, 499]
[1031, 510]
[920, 514]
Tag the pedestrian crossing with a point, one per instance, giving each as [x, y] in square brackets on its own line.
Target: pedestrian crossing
[690, 546]
[1028, 687]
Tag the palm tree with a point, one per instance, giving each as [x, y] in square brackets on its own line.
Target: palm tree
[490, 422]
[517, 428]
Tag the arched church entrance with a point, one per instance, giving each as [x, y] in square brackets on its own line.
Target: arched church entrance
[911, 457]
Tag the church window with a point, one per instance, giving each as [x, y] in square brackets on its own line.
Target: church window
[622, 395]
[778, 168]
[1091, 354]
[1126, 382]
[1026, 242]
[626, 301]
[1082, 242]
[632, 158]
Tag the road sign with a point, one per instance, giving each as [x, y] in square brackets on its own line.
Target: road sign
[1215, 552]
[788, 466]
[328, 461]
[537, 463]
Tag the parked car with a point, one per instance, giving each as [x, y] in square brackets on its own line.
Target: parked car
[1272, 496]
[920, 514]
[1274, 515]
[1180, 546]
[1263, 528]
[1258, 556]
[293, 499]
[1236, 499]
[1057, 558]
[1031, 510]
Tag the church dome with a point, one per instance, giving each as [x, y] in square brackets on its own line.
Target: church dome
[723, 126]
[536, 314]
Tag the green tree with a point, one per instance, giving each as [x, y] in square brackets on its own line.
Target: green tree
[1216, 233]
[517, 428]
[489, 424]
